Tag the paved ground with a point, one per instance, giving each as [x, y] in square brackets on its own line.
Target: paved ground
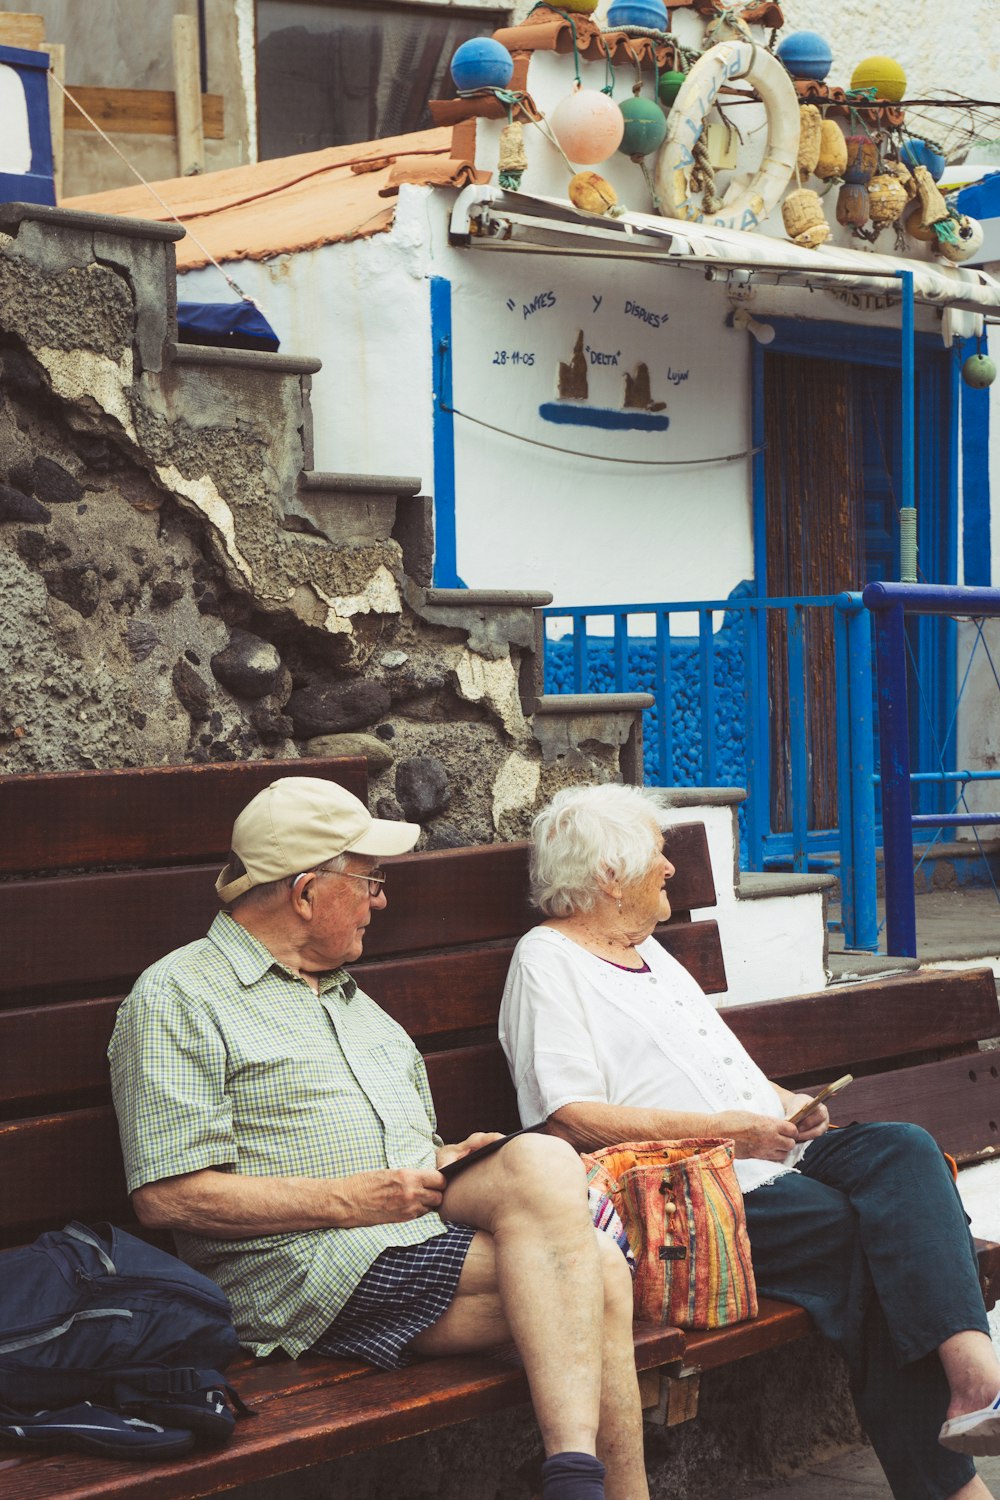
[852, 1476]
[951, 925]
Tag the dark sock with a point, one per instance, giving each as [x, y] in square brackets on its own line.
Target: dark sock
[572, 1476]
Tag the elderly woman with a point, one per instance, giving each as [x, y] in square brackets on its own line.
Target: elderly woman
[609, 1039]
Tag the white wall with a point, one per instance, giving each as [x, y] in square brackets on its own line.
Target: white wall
[363, 308]
[591, 530]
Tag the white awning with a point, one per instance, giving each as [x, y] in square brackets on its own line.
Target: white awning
[488, 218]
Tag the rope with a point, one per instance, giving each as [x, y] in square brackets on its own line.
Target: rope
[606, 458]
[703, 176]
[230, 282]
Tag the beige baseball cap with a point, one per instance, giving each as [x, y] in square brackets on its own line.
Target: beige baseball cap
[300, 822]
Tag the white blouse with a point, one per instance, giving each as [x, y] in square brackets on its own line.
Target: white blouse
[576, 1029]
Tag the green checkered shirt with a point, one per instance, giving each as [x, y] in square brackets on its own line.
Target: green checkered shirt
[222, 1057]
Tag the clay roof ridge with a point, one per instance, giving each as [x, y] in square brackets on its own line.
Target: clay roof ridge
[343, 168]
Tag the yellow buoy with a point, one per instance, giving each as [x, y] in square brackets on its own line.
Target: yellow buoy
[832, 159]
[810, 137]
[884, 75]
[804, 219]
[579, 7]
[590, 193]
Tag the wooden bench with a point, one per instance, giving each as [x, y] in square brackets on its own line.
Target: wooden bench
[103, 872]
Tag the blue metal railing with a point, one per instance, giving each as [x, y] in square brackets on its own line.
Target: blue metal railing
[856, 832]
[888, 602]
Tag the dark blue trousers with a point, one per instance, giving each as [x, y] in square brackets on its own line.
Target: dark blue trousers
[869, 1236]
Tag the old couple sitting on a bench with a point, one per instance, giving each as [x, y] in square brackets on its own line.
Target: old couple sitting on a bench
[280, 1123]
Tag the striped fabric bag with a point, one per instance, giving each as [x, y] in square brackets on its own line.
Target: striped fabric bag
[683, 1212]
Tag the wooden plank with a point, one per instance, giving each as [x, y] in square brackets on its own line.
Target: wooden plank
[57, 110]
[156, 815]
[53, 1060]
[60, 1167]
[957, 1100]
[455, 896]
[841, 1028]
[296, 1430]
[52, 1055]
[472, 1090]
[693, 883]
[139, 111]
[111, 927]
[23, 29]
[776, 1323]
[187, 96]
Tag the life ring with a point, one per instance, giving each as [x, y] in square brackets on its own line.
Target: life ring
[720, 65]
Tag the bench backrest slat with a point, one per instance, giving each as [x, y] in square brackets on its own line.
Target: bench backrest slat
[847, 1026]
[957, 1100]
[79, 936]
[67, 1165]
[153, 816]
[54, 1056]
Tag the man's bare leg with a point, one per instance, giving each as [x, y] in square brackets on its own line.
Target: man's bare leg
[542, 1276]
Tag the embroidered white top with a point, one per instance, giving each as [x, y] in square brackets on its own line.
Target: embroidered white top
[577, 1029]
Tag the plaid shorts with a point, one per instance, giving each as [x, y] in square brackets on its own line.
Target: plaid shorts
[403, 1292]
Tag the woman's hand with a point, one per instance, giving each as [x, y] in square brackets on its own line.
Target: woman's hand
[816, 1122]
[447, 1154]
[757, 1135]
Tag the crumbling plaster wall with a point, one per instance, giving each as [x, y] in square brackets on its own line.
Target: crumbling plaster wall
[165, 595]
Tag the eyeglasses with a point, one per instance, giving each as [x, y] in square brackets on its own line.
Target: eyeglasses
[375, 878]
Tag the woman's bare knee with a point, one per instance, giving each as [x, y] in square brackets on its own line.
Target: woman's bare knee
[618, 1300]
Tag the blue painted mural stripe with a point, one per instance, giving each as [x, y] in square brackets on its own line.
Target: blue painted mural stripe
[609, 417]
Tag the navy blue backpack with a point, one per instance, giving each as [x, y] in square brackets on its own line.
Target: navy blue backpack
[109, 1344]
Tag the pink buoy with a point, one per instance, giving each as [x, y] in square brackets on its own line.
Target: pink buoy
[588, 126]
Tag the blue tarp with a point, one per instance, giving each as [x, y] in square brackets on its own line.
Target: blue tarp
[982, 199]
[227, 325]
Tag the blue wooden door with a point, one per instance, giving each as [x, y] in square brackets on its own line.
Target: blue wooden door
[869, 361]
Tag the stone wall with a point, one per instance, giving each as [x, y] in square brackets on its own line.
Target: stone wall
[178, 587]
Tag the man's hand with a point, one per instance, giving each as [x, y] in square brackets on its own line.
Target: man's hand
[447, 1154]
[757, 1135]
[390, 1196]
[815, 1123]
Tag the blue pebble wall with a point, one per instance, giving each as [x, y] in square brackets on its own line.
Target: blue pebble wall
[730, 713]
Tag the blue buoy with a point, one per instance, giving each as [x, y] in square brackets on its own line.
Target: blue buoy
[917, 153]
[649, 13]
[806, 54]
[481, 63]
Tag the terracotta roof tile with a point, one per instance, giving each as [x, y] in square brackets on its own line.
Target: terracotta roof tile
[810, 91]
[432, 171]
[293, 203]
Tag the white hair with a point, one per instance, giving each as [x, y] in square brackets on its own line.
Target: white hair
[588, 836]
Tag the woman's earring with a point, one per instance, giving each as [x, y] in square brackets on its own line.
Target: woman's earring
[619, 906]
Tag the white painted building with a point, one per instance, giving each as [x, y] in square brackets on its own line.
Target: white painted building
[442, 350]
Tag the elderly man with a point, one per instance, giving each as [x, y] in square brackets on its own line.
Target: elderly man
[281, 1124]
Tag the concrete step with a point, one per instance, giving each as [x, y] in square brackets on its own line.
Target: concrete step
[356, 510]
[772, 927]
[243, 359]
[759, 886]
[847, 967]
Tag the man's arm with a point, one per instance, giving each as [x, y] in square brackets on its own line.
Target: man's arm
[589, 1126]
[233, 1206]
